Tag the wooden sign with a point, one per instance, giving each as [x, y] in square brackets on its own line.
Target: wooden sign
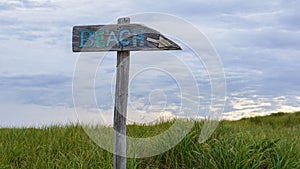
[123, 38]
[118, 37]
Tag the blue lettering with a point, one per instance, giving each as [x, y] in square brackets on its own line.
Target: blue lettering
[99, 38]
[137, 36]
[86, 39]
[126, 43]
[112, 37]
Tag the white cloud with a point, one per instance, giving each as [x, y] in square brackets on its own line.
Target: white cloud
[257, 41]
[284, 108]
[258, 105]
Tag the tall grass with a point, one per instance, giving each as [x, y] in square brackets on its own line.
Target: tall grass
[259, 142]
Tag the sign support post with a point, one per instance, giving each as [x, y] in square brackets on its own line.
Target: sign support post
[120, 109]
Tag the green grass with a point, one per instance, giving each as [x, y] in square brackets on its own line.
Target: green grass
[259, 142]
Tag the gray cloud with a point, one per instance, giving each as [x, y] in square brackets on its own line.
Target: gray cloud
[258, 43]
[39, 89]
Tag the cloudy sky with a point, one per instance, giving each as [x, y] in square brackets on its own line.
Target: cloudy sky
[258, 43]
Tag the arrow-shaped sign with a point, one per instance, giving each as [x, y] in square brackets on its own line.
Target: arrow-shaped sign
[162, 42]
[130, 37]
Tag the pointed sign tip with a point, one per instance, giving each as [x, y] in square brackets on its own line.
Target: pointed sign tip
[175, 46]
[169, 44]
[178, 47]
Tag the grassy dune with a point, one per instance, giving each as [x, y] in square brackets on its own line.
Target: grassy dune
[259, 142]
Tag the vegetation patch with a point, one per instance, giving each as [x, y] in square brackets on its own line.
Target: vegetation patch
[259, 142]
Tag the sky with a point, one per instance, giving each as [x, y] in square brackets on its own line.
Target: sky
[258, 43]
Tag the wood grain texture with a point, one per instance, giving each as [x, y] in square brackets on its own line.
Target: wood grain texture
[120, 110]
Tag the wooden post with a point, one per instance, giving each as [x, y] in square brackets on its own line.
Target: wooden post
[120, 109]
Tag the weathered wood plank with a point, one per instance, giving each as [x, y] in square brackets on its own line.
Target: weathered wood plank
[119, 37]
